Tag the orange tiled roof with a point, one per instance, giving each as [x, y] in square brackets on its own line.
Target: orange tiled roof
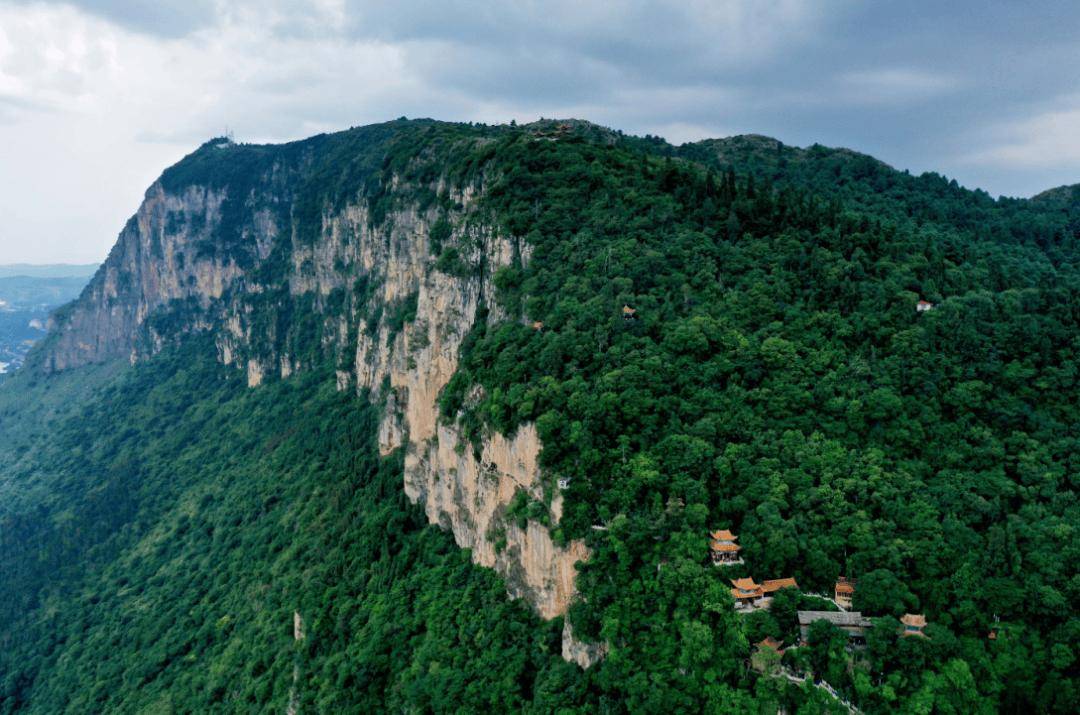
[777, 584]
[845, 587]
[723, 535]
[770, 643]
[746, 584]
[724, 548]
[915, 620]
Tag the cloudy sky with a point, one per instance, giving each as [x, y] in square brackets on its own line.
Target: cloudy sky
[98, 96]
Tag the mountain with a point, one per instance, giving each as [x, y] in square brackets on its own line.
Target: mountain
[27, 296]
[58, 270]
[327, 404]
[29, 292]
[1062, 198]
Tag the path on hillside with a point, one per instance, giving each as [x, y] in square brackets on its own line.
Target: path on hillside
[793, 677]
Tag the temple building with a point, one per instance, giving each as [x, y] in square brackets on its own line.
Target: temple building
[767, 655]
[850, 622]
[770, 643]
[843, 591]
[772, 586]
[749, 595]
[913, 623]
[723, 548]
[745, 592]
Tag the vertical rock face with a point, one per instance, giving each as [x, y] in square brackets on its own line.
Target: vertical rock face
[364, 292]
[462, 493]
[157, 259]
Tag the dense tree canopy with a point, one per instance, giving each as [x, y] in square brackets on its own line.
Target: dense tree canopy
[772, 376]
[191, 518]
[776, 378]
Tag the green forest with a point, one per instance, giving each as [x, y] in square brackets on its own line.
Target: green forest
[189, 519]
[730, 340]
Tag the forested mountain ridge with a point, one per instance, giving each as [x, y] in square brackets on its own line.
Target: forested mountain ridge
[585, 348]
[1062, 198]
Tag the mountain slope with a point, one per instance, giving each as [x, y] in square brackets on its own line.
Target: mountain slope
[719, 335]
[192, 518]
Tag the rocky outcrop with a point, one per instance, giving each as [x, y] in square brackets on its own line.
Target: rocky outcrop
[159, 258]
[365, 293]
[581, 652]
[470, 497]
[465, 490]
[298, 626]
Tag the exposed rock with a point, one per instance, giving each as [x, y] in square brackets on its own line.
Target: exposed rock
[156, 260]
[465, 495]
[584, 654]
[171, 257]
[298, 626]
[471, 497]
[254, 373]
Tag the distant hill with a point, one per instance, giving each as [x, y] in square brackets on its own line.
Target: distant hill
[55, 270]
[1062, 198]
[28, 294]
[32, 292]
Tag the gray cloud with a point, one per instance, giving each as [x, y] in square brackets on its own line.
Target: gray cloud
[984, 92]
[164, 18]
[639, 43]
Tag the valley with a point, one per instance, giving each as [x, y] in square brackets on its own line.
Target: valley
[28, 294]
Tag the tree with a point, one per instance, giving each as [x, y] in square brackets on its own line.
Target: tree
[951, 691]
[880, 592]
[828, 651]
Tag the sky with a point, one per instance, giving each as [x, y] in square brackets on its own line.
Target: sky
[97, 97]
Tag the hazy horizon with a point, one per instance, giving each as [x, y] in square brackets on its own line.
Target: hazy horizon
[48, 270]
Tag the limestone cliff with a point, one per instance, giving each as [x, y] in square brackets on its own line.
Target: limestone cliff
[282, 287]
[462, 492]
[152, 264]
